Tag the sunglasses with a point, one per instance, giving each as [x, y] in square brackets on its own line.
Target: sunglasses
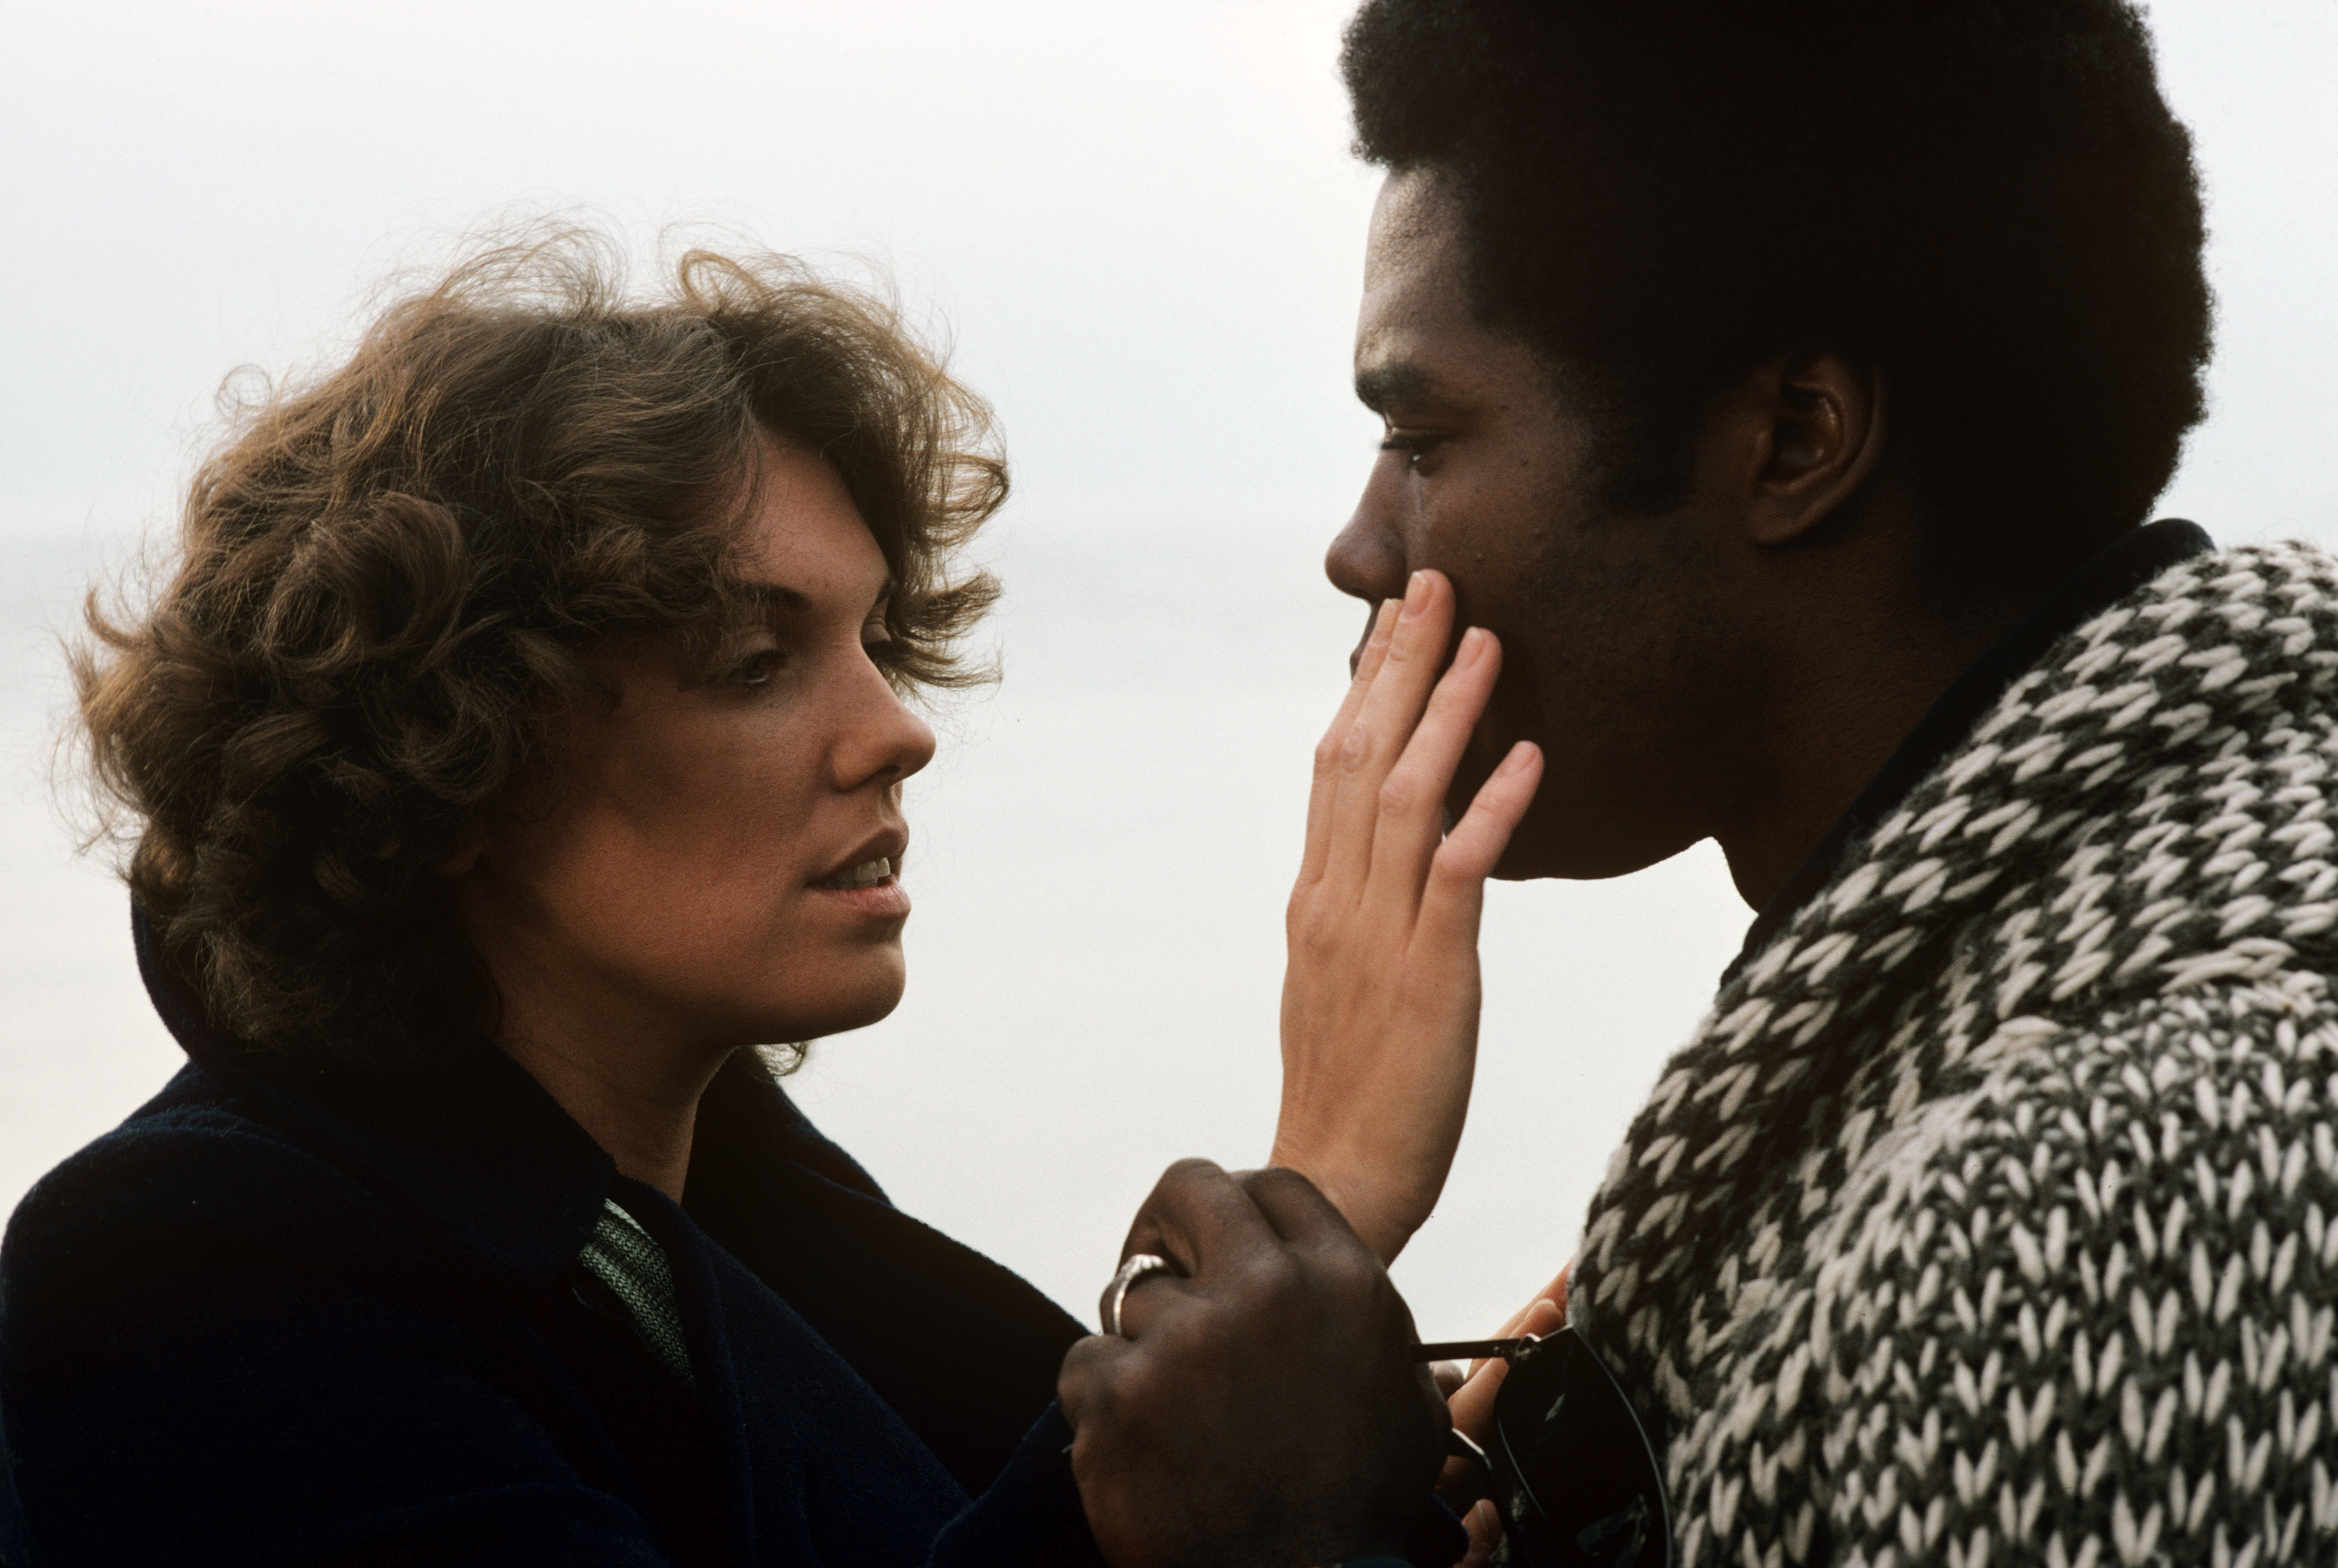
[1570, 1471]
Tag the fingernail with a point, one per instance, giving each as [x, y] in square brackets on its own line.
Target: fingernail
[1473, 645]
[1390, 610]
[1416, 595]
[1516, 759]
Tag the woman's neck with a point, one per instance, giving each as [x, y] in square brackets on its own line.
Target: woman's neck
[640, 1109]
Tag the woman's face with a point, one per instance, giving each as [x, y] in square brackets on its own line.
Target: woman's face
[713, 861]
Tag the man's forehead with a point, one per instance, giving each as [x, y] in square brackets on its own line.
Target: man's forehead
[1415, 308]
[1415, 222]
[1414, 333]
[1418, 345]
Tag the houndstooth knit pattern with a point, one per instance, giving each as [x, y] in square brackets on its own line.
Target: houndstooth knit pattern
[1991, 1217]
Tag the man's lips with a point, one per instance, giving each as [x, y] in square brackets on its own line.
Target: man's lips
[1371, 619]
[1356, 654]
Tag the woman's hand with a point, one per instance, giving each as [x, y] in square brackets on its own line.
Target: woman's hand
[1380, 1004]
[1471, 1405]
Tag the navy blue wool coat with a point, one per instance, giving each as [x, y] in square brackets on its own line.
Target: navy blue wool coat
[291, 1314]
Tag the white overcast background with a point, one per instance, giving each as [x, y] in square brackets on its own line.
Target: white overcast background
[1141, 226]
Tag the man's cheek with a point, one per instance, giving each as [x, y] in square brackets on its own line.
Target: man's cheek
[1489, 743]
[1467, 776]
[1514, 712]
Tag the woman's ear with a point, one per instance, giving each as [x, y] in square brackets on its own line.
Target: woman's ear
[1818, 428]
[469, 844]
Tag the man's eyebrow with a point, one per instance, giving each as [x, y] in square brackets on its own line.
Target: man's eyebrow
[1400, 381]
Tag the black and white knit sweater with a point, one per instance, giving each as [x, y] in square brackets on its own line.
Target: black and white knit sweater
[1991, 1217]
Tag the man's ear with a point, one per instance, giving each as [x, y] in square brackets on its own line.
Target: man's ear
[1816, 423]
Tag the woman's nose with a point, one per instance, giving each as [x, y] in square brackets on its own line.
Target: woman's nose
[883, 741]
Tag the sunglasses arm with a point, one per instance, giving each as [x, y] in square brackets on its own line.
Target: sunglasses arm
[1475, 1349]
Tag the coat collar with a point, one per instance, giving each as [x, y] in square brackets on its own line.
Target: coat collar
[481, 1158]
[468, 1145]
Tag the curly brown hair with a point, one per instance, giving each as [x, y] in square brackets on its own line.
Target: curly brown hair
[387, 576]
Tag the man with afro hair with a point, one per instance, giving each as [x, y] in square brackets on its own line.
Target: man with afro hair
[1788, 387]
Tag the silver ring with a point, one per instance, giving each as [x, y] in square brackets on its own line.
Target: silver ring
[1139, 1266]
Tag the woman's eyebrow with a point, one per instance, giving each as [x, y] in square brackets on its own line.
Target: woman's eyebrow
[768, 597]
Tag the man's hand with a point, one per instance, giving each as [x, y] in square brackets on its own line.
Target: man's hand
[1379, 1002]
[1264, 1410]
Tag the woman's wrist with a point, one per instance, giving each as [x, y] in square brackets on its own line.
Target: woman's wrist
[1383, 1218]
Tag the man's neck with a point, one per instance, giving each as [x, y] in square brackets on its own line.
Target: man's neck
[1946, 722]
[1832, 744]
[1855, 659]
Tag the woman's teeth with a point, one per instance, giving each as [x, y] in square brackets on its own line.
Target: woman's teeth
[868, 874]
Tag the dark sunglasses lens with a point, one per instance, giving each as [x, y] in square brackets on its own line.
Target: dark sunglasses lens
[1578, 1478]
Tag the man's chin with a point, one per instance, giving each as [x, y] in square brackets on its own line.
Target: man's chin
[1526, 863]
[1572, 849]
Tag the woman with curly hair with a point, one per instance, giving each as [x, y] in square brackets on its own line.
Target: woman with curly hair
[514, 757]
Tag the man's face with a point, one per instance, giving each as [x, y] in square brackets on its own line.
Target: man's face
[1610, 626]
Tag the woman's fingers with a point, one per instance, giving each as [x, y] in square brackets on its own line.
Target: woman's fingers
[1485, 1528]
[1412, 797]
[1472, 1405]
[1325, 786]
[1380, 1026]
[1391, 709]
[1516, 1323]
[1471, 1408]
[1456, 888]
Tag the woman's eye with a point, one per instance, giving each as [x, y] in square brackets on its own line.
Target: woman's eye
[757, 668]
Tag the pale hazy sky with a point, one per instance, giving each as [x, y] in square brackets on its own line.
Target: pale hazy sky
[1142, 227]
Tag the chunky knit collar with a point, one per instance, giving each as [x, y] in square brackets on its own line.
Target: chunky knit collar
[2186, 723]
[2126, 566]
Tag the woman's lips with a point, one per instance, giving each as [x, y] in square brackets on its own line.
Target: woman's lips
[869, 889]
[867, 874]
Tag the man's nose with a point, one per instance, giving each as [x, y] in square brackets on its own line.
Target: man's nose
[1367, 557]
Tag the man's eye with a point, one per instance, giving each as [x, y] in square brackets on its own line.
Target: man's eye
[1414, 444]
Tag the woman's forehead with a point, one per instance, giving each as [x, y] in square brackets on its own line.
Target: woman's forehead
[802, 539]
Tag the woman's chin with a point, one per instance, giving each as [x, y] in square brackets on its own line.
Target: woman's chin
[838, 1013]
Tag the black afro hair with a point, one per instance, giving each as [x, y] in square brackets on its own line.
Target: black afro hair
[1988, 200]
